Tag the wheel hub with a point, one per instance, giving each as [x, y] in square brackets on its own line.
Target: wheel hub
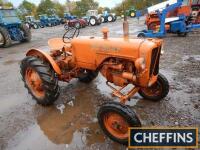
[116, 125]
[109, 18]
[34, 83]
[92, 21]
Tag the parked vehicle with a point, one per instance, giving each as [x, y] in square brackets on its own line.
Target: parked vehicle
[12, 29]
[69, 16]
[32, 23]
[108, 17]
[77, 23]
[121, 61]
[46, 21]
[93, 18]
[131, 12]
[180, 24]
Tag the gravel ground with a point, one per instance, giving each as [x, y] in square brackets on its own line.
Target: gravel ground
[24, 125]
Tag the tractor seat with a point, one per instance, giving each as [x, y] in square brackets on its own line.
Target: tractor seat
[57, 44]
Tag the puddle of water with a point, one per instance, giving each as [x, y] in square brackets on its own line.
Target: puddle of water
[76, 128]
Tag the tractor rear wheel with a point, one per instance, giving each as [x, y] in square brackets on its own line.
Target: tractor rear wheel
[93, 21]
[40, 80]
[27, 33]
[87, 76]
[115, 119]
[5, 40]
[110, 18]
[157, 91]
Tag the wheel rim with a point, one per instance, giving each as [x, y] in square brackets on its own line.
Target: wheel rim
[102, 19]
[92, 21]
[35, 26]
[109, 18]
[34, 83]
[132, 14]
[77, 25]
[116, 125]
[154, 90]
[1, 39]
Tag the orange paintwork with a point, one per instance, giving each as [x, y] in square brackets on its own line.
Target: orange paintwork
[116, 125]
[46, 56]
[120, 60]
[34, 83]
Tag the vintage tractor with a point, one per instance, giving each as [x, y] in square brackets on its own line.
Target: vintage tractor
[108, 17]
[12, 29]
[131, 12]
[152, 18]
[122, 61]
[31, 22]
[69, 16]
[93, 18]
[77, 23]
[46, 21]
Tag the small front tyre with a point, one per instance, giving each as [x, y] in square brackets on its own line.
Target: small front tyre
[157, 91]
[40, 80]
[115, 119]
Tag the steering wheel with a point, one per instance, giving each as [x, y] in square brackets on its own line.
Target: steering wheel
[70, 34]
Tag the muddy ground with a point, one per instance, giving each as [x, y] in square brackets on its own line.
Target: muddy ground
[24, 125]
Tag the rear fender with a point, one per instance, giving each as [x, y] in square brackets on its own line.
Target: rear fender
[45, 56]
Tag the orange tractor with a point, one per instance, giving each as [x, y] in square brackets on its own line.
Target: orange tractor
[122, 61]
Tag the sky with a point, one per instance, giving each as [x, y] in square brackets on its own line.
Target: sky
[102, 3]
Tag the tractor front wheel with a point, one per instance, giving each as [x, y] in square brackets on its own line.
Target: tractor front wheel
[35, 26]
[115, 119]
[157, 91]
[87, 76]
[27, 33]
[40, 80]
[103, 19]
[5, 40]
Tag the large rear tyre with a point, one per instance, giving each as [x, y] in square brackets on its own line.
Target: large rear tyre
[93, 21]
[27, 33]
[87, 76]
[110, 18]
[5, 40]
[115, 119]
[157, 91]
[40, 80]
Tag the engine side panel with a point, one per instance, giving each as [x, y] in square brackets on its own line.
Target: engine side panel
[90, 52]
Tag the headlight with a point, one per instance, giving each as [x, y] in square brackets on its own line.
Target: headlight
[140, 64]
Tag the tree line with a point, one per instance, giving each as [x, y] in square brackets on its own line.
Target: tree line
[78, 8]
